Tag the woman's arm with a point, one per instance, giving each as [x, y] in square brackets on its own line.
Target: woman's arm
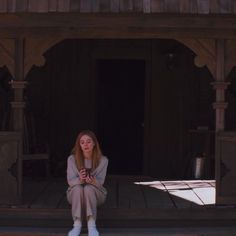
[99, 174]
[73, 175]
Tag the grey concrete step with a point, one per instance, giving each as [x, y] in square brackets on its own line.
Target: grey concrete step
[186, 231]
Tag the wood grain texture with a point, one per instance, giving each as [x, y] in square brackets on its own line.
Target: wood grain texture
[38, 6]
[203, 7]
[193, 6]
[184, 6]
[52, 5]
[171, 6]
[22, 5]
[96, 6]
[115, 5]
[11, 5]
[63, 5]
[74, 5]
[138, 5]
[104, 5]
[225, 6]
[147, 6]
[214, 6]
[85, 5]
[3, 6]
[157, 5]
[234, 7]
[126, 5]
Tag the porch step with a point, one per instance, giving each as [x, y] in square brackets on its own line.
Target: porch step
[122, 218]
[199, 231]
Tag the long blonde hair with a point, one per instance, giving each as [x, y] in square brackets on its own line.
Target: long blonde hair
[78, 153]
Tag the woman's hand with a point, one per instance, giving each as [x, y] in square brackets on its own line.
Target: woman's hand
[90, 179]
[82, 174]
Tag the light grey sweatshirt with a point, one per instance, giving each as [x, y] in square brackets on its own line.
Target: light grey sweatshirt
[99, 173]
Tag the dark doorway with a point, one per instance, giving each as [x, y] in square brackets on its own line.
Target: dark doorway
[120, 113]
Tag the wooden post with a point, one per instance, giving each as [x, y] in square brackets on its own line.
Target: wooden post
[220, 105]
[18, 104]
[220, 86]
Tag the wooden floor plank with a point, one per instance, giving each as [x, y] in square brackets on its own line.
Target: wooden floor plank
[155, 194]
[63, 203]
[111, 187]
[131, 195]
[182, 195]
[55, 194]
[51, 196]
[32, 191]
[204, 191]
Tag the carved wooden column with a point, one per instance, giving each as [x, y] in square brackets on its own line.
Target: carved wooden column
[18, 104]
[220, 105]
[18, 86]
[220, 85]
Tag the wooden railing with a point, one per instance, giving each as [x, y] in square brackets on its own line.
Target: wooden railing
[120, 6]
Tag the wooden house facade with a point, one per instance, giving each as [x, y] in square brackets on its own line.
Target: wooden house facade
[155, 79]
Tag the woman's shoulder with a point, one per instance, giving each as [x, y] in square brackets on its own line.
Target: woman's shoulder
[104, 159]
[71, 158]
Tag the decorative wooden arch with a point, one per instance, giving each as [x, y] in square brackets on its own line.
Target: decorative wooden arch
[204, 49]
[34, 48]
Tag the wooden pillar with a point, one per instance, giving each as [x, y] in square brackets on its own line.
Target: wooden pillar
[18, 86]
[220, 86]
[18, 104]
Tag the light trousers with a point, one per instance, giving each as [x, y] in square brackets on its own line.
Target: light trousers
[84, 200]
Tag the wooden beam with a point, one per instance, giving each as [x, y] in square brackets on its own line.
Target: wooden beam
[154, 21]
[118, 33]
[114, 21]
[116, 25]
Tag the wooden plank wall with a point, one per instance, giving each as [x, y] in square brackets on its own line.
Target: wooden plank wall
[145, 6]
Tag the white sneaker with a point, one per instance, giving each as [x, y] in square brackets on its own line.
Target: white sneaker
[92, 231]
[75, 231]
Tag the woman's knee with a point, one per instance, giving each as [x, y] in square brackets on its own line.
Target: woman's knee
[89, 189]
[92, 192]
[76, 192]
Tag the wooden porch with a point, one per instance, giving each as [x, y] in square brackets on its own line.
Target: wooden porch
[132, 201]
[130, 192]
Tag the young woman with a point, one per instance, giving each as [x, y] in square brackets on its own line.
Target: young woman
[86, 172]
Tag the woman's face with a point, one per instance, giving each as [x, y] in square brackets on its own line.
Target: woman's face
[86, 144]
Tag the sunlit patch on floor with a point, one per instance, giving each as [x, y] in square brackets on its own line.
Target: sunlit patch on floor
[200, 192]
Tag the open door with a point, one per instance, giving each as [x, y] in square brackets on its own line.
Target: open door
[120, 113]
[226, 168]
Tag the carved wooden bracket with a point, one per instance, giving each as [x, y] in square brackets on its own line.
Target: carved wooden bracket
[7, 54]
[230, 56]
[34, 50]
[205, 50]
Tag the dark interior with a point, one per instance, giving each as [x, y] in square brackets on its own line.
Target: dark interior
[120, 113]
